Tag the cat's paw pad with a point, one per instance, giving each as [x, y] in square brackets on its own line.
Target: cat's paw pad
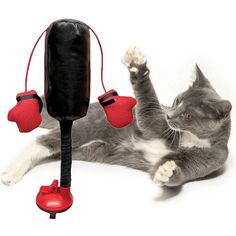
[10, 178]
[133, 59]
[164, 173]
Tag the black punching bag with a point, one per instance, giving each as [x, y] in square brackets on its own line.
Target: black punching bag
[67, 69]
[67, 93]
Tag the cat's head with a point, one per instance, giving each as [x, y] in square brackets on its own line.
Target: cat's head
[199, 109]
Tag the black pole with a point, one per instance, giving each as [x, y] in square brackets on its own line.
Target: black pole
[66, 148]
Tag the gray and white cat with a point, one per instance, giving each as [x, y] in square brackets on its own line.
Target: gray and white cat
[178, 144]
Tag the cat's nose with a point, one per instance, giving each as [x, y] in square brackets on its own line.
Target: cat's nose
[169, 115]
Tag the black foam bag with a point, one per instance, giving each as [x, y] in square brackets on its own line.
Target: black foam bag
[67, 69]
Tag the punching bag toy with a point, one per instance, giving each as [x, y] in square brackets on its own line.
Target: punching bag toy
[67, 94]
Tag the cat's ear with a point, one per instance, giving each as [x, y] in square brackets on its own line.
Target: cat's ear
[220, 108]
[201, 80]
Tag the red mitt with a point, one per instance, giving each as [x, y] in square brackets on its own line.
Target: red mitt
[118, 109]
[26, 113]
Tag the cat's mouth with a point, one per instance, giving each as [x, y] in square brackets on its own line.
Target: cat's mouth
[172, 125]
[173, 131]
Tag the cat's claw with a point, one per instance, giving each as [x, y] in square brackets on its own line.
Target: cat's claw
[164, 173]
[133, 59]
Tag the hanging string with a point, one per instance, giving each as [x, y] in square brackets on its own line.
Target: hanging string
[31, 54]
[100, 46]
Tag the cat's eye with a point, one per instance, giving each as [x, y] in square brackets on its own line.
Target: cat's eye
[187, 116]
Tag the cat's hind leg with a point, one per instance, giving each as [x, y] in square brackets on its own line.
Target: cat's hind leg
[47, 147]
[31, 156]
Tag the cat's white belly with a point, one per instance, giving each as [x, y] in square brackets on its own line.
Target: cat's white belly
[153, 149]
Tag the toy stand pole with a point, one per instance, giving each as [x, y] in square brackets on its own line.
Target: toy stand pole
[66, 158]
[54, 199]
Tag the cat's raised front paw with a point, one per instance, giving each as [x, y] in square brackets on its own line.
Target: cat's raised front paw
[164, 173]
[134, 59]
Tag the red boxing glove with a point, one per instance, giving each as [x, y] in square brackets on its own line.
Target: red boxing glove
[26, 113]
[118, 109]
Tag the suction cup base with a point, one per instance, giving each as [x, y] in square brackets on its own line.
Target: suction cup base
[54, 199]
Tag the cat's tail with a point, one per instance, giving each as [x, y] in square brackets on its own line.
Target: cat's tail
[47, 121]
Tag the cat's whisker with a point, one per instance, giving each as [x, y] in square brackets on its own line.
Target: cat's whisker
[167, 133]
[170, 134]
[180, 141]
[172, 142]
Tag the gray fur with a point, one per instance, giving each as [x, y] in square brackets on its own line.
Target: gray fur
[210, 119]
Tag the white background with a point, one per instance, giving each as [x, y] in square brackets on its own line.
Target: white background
[111, 200]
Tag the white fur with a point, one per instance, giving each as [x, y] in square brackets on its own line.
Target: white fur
[190, 140]
[31, 156]
[133, 69]
[153, 150]
[164, 173]
[91, 142]
[180, 105]
[133, 54]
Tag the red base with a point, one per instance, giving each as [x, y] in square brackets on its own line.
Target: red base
[54, 199]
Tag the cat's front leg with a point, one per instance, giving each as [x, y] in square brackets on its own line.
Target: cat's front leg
[168, 174]
[188, 164]
[136, 63]
[149, 113]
